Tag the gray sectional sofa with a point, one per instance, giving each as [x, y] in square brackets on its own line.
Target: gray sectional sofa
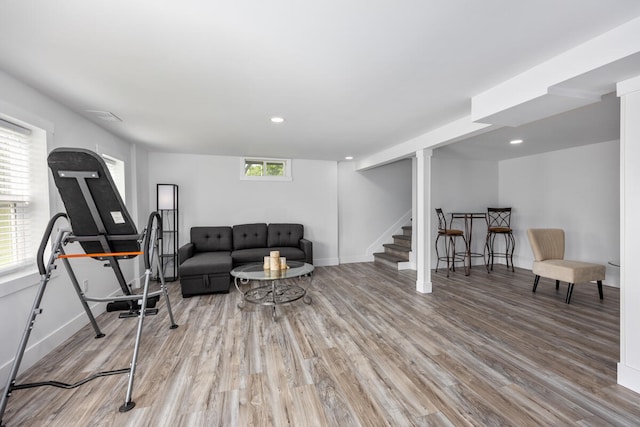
[206, 262]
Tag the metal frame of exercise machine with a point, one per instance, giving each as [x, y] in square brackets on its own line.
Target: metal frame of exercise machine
[102, 226]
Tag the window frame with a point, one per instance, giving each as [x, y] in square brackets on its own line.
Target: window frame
[264, 160]
[24, 274]
[117, 169]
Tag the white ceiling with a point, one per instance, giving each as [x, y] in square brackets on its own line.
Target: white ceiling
[594, 123]
[351, 77]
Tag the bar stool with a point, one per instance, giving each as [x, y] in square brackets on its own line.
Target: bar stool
[499, 223]
[450, 236]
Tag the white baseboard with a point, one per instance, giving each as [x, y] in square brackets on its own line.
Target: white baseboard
[406, 265]
[37, 350]
[424, 287]
[629, 377]
[323, 262]
[354, 259]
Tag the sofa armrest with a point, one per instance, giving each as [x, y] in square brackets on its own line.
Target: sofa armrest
[307, 248]
[185, 252]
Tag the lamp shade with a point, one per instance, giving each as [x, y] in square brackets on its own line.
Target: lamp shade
[167, 196]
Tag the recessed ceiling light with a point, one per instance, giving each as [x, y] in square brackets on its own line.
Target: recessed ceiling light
[277, 119]
[515, 141]
[349, 158]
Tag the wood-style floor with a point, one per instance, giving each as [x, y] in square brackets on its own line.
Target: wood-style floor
[368, 351]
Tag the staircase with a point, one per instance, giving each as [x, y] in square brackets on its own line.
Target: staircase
[395, 252]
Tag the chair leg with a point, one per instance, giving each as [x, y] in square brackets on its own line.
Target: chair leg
[569, 292]
[447, 245]
[490, 242]
[437, 253]
[600, 289]
[535, 283]
[557, 284]
[506, 249]
[451, 254]
[487, 252]
[510, 249]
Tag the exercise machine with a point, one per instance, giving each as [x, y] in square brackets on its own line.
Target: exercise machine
[98, 221]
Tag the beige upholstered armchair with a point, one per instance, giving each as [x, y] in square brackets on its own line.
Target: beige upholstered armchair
[548, 253]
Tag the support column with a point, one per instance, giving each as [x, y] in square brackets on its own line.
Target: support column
[629, 365]
[422, 221]
[414, 221]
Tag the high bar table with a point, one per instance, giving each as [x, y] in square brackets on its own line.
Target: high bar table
[468, 218]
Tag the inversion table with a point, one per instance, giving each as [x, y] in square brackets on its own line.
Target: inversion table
[102, 226]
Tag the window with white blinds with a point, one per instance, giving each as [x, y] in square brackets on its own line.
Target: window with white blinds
[22, 184]
[116, 169]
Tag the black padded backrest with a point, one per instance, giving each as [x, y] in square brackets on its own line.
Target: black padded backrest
[210, 239]
[248, 236]
[71, 167]
[285, 235]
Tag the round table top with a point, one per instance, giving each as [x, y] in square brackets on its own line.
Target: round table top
[256, 271]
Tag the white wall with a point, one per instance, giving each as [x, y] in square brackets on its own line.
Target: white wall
[63, 314]
[212, 193]
[139, 206]
[459, 185]
[371, 205]
[577, 189]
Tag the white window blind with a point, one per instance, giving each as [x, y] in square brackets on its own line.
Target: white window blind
[116, 169]
[16, 248]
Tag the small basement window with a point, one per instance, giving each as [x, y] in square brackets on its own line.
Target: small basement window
[266, 169]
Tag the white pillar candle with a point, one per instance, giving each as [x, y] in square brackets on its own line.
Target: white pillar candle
[275, 260]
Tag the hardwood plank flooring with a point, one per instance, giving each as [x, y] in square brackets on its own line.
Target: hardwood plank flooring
[368, 351]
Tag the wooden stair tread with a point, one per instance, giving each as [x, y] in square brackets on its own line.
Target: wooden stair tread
[397, 247]
[397, 252]
[389, 257]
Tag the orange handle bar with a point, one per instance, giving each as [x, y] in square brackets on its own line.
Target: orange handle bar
[100, 255]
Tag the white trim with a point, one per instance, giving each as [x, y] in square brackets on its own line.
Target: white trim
[31, 120]
[38, 349]
[407, 265]
[424, 287]
[19, 277]
[323, 262]
[266, 178]
[629, 377]
[19, 280]
[422, 220]
[355, 259]
[627, 86]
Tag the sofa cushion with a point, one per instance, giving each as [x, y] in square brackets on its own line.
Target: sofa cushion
[291, 253]
[208, 239]
[247, 236]
[285, 235]
[245, 256]
[569, 271]
[207, 263]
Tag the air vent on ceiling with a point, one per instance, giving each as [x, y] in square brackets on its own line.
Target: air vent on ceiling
[105, 115]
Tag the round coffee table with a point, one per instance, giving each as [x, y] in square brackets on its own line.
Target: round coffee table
[274, 291]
